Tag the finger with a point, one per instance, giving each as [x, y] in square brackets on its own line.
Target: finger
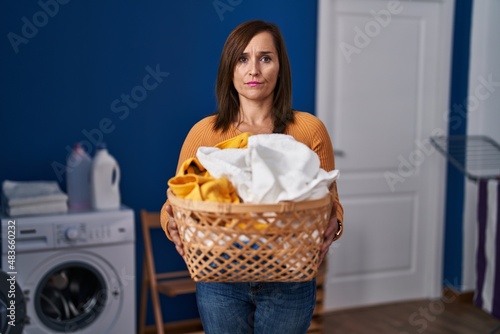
[172, 226]
[178, 244]
[321, 257]
[325, 246]
[176, 238]
[179, 250]
[168, 208]
[331, 228]
[164, 217]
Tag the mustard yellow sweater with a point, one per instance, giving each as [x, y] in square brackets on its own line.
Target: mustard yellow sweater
[307, 129]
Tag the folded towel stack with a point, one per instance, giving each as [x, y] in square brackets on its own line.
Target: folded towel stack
[25, 198]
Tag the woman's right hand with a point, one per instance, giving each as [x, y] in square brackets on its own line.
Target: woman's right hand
[170, 227]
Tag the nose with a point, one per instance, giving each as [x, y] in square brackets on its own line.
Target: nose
[254, 68]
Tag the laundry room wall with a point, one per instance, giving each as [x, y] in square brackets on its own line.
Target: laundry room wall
[134, 74]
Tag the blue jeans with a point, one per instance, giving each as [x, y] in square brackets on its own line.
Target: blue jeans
[260, 308]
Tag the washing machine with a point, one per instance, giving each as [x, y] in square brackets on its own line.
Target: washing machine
[68, 273]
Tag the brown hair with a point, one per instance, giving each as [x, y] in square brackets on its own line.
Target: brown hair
[227, 96]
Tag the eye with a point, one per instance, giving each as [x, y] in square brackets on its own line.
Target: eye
[266, 59]
[243, 59]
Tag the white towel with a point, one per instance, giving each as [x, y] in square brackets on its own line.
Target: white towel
[274, 168]
[21, 193]
[37, 209]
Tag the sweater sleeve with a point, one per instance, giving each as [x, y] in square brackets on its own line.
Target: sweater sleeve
[324, 148]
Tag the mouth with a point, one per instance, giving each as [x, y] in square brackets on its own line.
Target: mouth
[253, 83]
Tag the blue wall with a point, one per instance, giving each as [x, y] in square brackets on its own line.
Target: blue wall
[455, 182]
[65, 76]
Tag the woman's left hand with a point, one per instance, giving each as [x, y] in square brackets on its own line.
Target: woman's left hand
[330, 234]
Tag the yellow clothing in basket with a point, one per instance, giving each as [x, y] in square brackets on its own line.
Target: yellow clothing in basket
[195, 183]
[203, 188]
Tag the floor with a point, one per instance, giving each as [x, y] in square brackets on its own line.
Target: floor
[412, 317]
[420, 317]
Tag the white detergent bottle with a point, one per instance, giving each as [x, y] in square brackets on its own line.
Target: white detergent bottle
[78, 168]
[105, 179]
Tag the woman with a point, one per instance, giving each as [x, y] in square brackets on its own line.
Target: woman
[254, 94]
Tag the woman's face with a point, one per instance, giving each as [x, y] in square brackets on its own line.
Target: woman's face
[256, 71]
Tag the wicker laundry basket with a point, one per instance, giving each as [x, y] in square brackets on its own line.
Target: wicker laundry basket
[225, 242]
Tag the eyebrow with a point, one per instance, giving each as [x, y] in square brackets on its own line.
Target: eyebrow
[260, 53]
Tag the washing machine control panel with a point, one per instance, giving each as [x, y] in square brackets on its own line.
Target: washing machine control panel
[76, 229]
[71, 234]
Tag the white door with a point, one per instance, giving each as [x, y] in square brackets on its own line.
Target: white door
[382, 91]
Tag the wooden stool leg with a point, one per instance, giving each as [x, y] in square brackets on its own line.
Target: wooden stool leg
[157, 310]
[144, 299]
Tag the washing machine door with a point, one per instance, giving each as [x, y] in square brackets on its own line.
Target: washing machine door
[70, 297]
[12, 305]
